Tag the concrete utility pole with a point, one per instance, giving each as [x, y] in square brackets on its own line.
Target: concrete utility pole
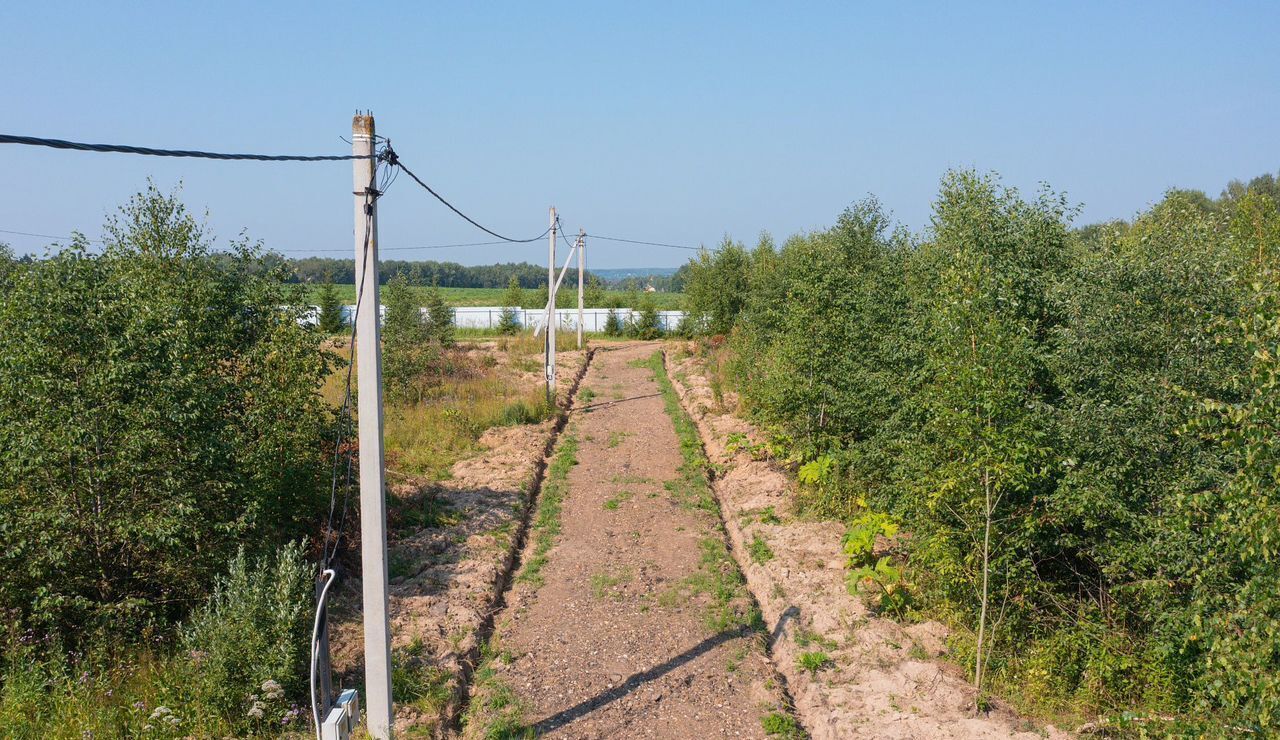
[373, 505]
[551, 312]
[581, 264]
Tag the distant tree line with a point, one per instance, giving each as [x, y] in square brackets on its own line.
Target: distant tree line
[426, 273]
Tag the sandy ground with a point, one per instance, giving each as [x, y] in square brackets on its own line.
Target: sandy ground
[885, 680]
[447, 580]
[611, 643]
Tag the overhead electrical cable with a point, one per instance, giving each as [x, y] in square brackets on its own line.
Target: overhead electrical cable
[148, 151]
[389, 156]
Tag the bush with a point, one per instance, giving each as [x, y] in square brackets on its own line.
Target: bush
[613, 325]
[250, 644]
[1086, 478]
[407, 349]
[509, 322]
[646, 325]
[159, 408]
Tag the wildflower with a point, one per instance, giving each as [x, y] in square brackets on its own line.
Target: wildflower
[160, 712]
[272, 690]
[257, 710]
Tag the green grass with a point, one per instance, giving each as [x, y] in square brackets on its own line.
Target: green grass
[496, 711]
[814, 661]
[759, 550]
[546, 525]
[780, 725]
[617, 500]
[493, 297]
[605, 584]
[729, 604]
[417, 683]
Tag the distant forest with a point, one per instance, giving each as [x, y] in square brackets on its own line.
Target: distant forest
[454, 275]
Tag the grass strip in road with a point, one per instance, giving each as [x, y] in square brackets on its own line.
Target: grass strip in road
[718, 577]
[546, 525]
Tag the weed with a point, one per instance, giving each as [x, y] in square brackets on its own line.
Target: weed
[586, 395]
[603, 584]
[806, 637]
[617, 500]
[814, 661]
[780, 725]
[615, 438]
[759, 550]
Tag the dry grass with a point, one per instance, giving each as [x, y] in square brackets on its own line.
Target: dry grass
[468, 396]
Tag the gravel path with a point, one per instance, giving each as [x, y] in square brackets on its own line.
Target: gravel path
[637, 622]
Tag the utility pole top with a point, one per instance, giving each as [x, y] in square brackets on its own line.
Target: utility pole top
[362, 124]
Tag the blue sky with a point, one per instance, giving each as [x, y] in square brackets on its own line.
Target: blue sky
[672, 122]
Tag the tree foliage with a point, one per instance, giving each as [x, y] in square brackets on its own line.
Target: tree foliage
[159, 407]
[1077, 427]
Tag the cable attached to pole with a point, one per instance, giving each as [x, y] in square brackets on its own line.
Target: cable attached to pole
[389, 156]
[150, 152]
[315, 639]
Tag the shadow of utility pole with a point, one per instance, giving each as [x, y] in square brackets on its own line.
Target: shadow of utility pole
[636, 680]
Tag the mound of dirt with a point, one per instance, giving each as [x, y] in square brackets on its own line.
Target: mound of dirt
[879, 679]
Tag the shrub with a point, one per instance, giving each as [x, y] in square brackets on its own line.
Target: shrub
[613, 325]
[647, 325]
[439, 318]
[159, 408]
[250, 644]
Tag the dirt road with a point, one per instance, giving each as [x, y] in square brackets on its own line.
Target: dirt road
[632, 620]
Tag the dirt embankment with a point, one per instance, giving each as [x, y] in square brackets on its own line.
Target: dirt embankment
[450, 556]
[883, 679]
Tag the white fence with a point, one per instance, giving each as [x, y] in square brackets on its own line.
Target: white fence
[593, 319]
[488, 317]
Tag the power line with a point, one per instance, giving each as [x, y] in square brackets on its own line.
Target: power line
[651, 244]
[123, 149]
[390, 157]
[44, 236]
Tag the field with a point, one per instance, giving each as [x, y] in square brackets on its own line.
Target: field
[493, 297]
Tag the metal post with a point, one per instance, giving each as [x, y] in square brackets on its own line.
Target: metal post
[551, 312]
[581, 264]
[373, 507]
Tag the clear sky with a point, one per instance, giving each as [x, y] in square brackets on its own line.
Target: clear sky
[674, 122]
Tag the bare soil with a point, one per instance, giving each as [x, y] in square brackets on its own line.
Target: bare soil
[885, 680]
[448, 574]
[618, 634]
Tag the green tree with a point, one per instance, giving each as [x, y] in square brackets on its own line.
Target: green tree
[407, 352]
[1234, 625]
[159, 409]
[512, 300]
[593, 292]
[647, 324]
[613, 324]
[439, 318]
[716, 286]
[331, 319]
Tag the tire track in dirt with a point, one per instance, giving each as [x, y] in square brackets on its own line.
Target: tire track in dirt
[636, 623]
